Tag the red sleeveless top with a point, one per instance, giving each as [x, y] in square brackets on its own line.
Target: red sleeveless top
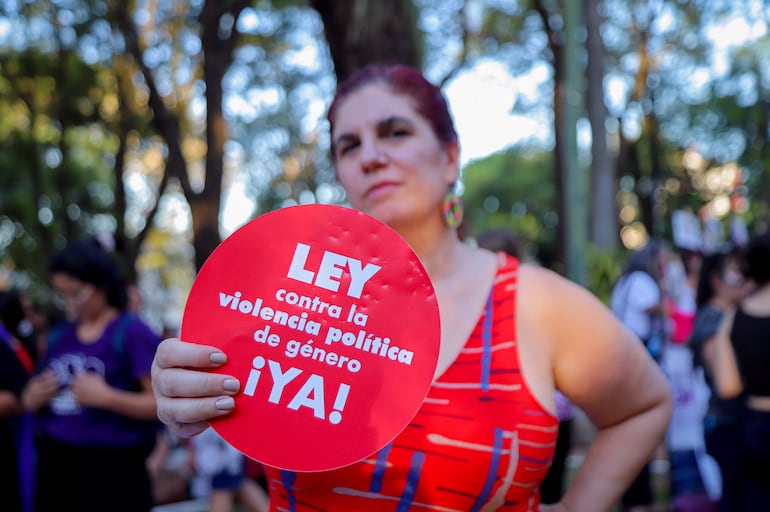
[480, 442]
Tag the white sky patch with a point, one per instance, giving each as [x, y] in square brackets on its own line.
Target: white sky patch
[735, 31]
[5, 29]
[731, 33]
[237, 207]
[306, 56]
[481, 100]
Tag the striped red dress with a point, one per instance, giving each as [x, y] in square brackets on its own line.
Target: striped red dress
[480, 442]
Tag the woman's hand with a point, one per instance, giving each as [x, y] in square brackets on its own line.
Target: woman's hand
[91, 390]
[40, 390]
[187, 395]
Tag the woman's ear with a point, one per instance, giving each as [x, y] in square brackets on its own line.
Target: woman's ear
[452, 150]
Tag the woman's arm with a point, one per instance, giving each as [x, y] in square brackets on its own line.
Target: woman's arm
[724, 368]
[606, 371]
[187, 396]
[90, 389]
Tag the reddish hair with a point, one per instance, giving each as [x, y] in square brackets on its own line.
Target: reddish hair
[428, 100]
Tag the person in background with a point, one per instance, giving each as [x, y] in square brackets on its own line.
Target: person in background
[500, 240]
[680, 278]
[15, 367]
[637, 301]
[552, 488]
[170, 469]
[637, 297]
[220, 475]
[396, 154]
[694, 482]
[94, 411]
[721, 286]
[19, 317]
[740, 370]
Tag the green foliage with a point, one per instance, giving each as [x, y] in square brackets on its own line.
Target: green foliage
[604, 269]
[514, 189]
[56, 182]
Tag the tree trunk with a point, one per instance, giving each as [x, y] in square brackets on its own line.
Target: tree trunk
[656, 222]
[603, 208]
[560, 88]
[361, 32]
[218, 45]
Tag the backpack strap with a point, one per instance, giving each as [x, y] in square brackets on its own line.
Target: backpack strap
[118, 340]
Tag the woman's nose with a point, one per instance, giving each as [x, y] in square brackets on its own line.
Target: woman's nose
[372, 157]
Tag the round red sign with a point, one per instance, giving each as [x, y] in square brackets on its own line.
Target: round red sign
[330, 322]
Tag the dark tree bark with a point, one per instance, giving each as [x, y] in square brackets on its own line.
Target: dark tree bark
[603, 208]
[560, 89]
[654, 219]
[361, 32]
[218, 44]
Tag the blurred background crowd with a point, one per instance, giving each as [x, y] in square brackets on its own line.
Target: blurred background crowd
[626, 144]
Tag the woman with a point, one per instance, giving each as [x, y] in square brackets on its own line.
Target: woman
[637, 301]
[397, 156]
[93, 402]
[739, 369]
[637, 297]
[221, 476]
[721, 286]
[15, 367]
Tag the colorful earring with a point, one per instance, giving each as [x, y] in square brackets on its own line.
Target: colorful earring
[453, 209]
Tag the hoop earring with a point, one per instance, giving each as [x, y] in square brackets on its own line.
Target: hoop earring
[453, 209]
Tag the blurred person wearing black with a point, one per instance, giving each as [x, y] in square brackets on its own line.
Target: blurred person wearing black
[721, 286]
[15, 368]
[740, 370]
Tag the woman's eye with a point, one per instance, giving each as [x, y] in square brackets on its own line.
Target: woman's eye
[398, 132]
[346, 148]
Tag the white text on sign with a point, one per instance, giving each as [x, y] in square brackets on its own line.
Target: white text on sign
[330, 271]
[310, 395]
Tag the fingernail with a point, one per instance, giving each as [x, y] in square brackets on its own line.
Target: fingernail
[218, 358]
[231, 385]
[225, 404]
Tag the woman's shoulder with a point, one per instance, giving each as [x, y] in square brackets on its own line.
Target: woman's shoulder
[640, 278]
[756, 305]
[541, 280]
[543, 291]
[555, 302]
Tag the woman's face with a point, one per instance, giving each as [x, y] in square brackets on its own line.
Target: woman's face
[73, 295]
[388, 158]
[732, 285]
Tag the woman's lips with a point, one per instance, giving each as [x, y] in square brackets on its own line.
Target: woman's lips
[380, 189]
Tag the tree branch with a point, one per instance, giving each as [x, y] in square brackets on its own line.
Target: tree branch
[164, 121]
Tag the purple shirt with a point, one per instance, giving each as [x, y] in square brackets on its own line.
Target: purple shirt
[122, 355]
